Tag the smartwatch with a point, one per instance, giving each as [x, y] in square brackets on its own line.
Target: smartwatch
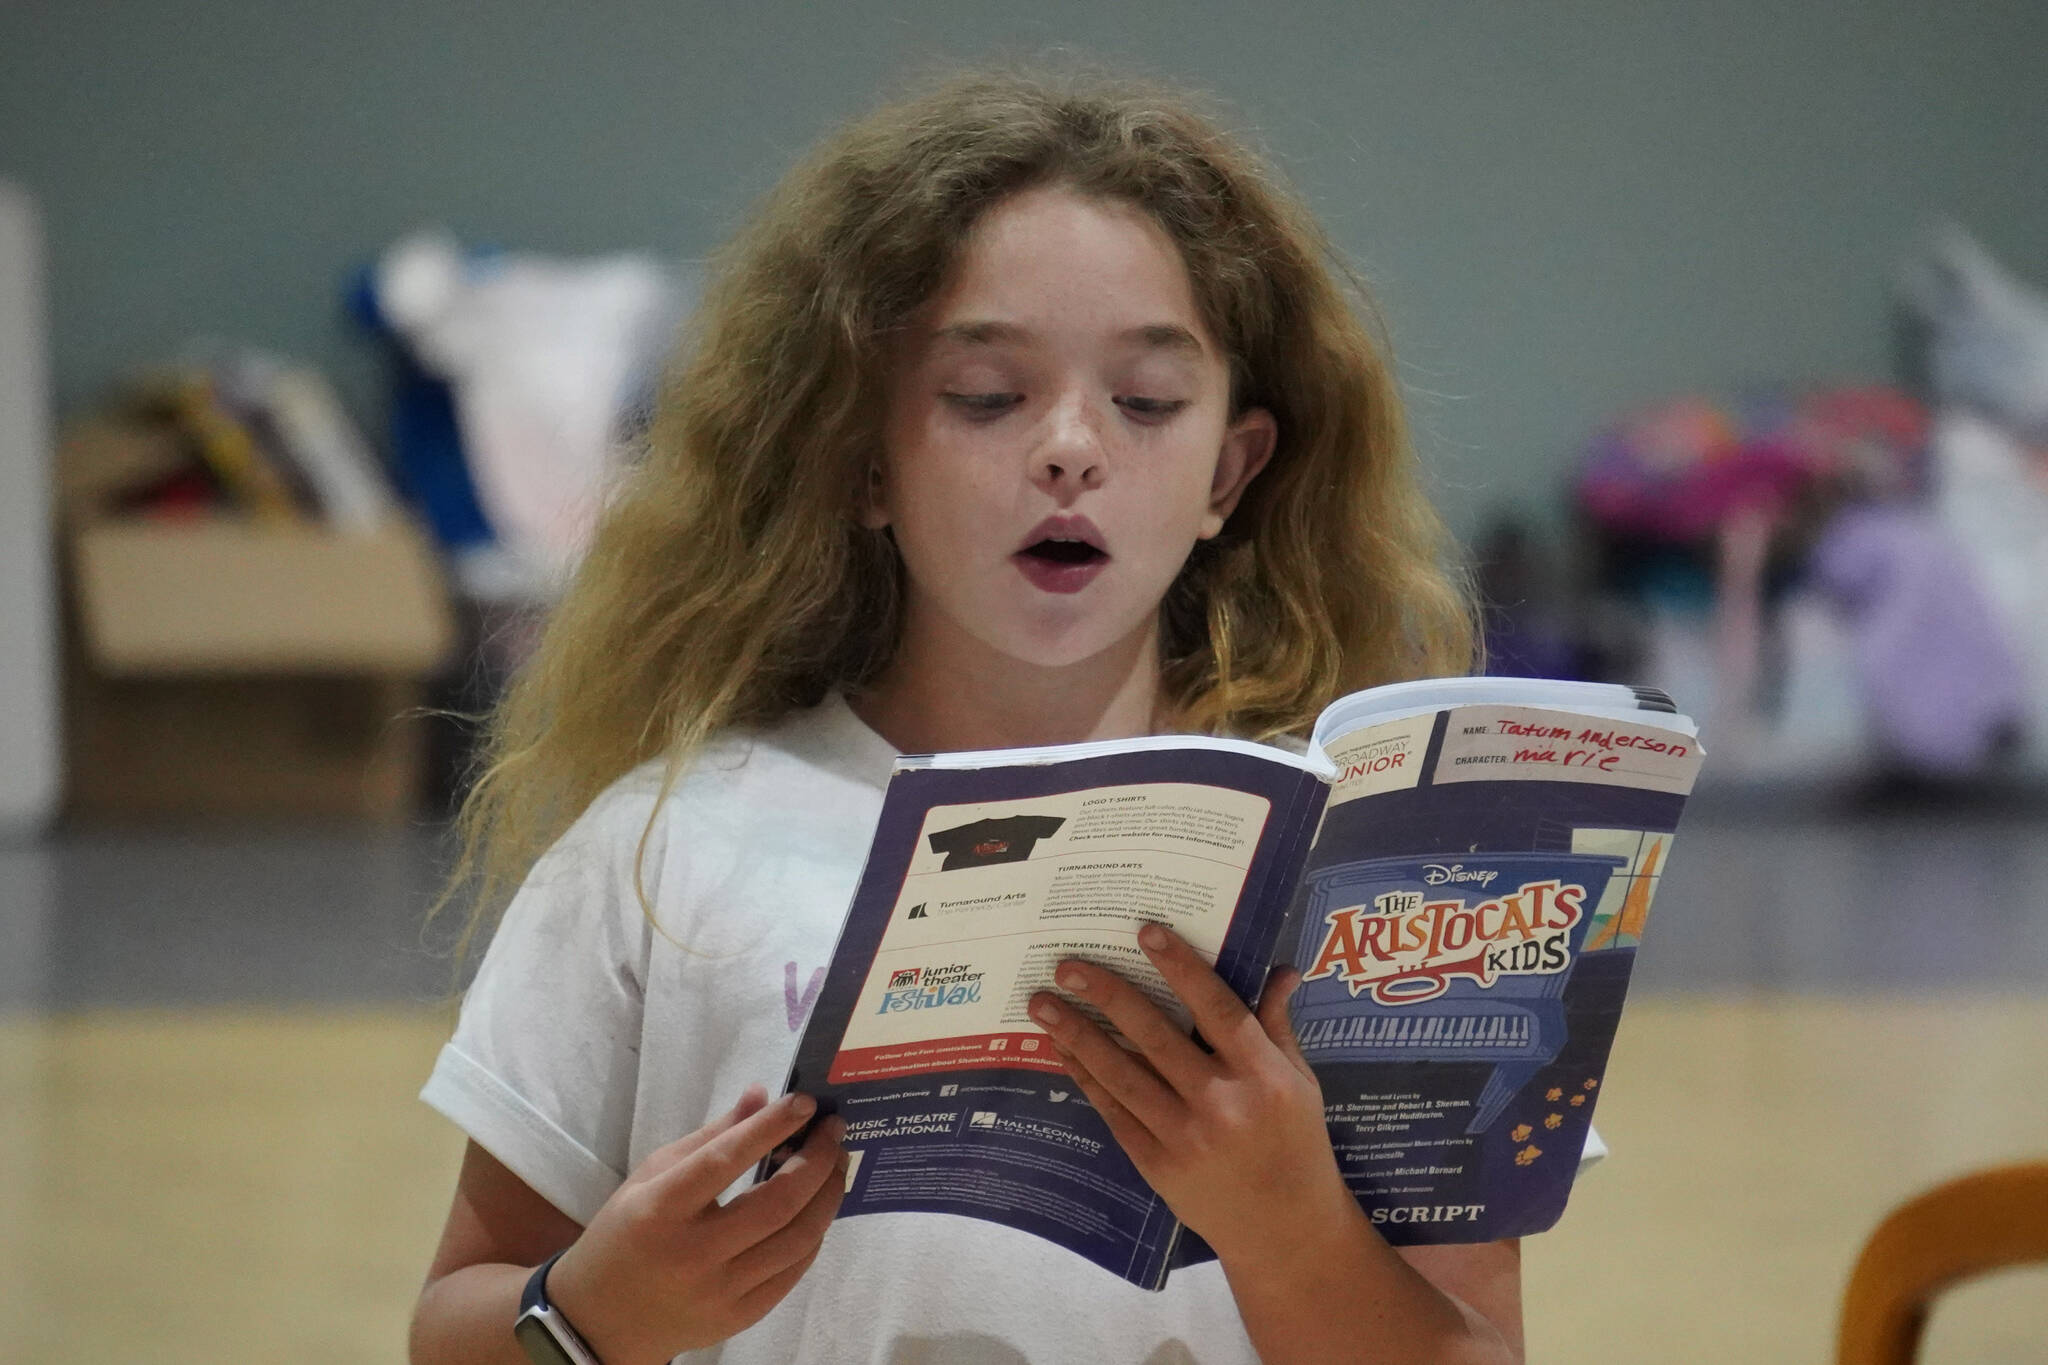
[542, 1332]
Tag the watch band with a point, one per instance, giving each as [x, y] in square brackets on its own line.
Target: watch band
[541, 1330]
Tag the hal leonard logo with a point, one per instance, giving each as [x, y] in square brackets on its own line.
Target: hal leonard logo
[917, 912]
[982, 1118]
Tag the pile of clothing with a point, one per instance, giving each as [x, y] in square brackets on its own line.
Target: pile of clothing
[520, 382]
[1876, 566]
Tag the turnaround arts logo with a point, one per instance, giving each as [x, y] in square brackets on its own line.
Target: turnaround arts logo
[1407, 947]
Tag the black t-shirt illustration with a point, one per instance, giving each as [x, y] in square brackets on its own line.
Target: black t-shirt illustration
[993, 841]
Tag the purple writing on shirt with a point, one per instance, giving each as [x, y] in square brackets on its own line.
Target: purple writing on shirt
[799, 1004]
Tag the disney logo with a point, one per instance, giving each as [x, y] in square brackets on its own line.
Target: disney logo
[1436, 874]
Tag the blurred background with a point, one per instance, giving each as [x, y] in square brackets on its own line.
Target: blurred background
[322, 327]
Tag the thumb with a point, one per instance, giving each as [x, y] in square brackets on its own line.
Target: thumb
[1277, 1020]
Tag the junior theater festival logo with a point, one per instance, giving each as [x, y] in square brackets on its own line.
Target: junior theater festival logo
[923, 988]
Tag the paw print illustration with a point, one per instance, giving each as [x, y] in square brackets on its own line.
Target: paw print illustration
[1520, 1132]
[1554, 1094]
[1592, 1085]
[1552, 1120]
[1528, 1154]
[1578, 1100]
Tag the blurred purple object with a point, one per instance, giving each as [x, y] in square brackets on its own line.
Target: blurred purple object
[1680, 471]
[1943, 683]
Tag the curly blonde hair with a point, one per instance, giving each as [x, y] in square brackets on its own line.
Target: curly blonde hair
[730, 580]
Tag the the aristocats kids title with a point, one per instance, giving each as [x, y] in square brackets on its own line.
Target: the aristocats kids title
[1446, 959]
[1408, 945]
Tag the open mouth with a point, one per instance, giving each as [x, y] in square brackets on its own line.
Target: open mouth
[1054, 551]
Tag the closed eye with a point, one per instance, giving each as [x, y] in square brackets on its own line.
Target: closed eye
[1153, 409]
[983, 404]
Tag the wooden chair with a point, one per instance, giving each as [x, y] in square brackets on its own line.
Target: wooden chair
[1973, 1224]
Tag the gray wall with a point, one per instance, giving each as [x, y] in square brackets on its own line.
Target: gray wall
[1567, 208]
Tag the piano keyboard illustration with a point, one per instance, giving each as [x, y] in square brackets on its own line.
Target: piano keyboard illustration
[1511, 1035]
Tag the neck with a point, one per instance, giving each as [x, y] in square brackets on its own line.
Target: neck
[966, 696]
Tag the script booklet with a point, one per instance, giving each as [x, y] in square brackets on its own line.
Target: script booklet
[1461, 868]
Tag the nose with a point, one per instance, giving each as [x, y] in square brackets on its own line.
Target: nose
[1069, 459]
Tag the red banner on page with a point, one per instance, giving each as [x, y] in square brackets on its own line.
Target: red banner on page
[971, 1052]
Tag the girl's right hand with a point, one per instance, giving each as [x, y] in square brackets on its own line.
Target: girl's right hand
[664, 1268]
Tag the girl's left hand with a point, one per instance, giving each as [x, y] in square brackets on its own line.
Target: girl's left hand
[1233, 1140]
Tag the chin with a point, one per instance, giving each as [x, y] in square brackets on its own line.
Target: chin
[1065, 642]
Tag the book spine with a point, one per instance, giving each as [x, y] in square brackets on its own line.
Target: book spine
[1305, 823]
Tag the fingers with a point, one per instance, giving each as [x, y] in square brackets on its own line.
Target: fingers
[795, 1240]
[753, 1305]
[696, 1180]
[1219, 1014]
[752, 1101]
[1134, 1085]
[1136, 1140]
[1159, 1039]
[759, 1212]
[1277, 1019]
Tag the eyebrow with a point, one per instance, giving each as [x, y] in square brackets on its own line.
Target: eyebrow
[1169, 336]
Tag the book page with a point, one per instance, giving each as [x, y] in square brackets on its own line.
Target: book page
[981, 879]
[999, 893]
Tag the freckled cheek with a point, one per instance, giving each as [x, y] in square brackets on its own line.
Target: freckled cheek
[1172, 524]
[948, 524]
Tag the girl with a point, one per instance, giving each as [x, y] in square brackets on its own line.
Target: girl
[1024, 413]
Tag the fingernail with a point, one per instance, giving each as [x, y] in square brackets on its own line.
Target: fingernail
[1046, 1013]
[801, 1105]
[1153, 936]
[1072, 977]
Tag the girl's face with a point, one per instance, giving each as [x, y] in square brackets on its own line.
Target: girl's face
[1058, 435]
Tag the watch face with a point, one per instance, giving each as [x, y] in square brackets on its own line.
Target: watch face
[539, 1343]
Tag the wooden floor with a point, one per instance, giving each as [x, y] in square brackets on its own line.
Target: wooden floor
[243, 1185]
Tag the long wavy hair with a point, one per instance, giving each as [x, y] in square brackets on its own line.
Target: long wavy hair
[730, 581]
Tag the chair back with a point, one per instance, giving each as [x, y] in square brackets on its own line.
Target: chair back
[1985, 1221]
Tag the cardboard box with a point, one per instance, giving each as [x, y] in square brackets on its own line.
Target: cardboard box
[223, 668]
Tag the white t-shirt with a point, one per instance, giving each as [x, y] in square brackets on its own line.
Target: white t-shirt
[590, 1038]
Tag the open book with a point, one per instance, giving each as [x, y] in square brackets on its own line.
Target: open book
[1460, 868]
